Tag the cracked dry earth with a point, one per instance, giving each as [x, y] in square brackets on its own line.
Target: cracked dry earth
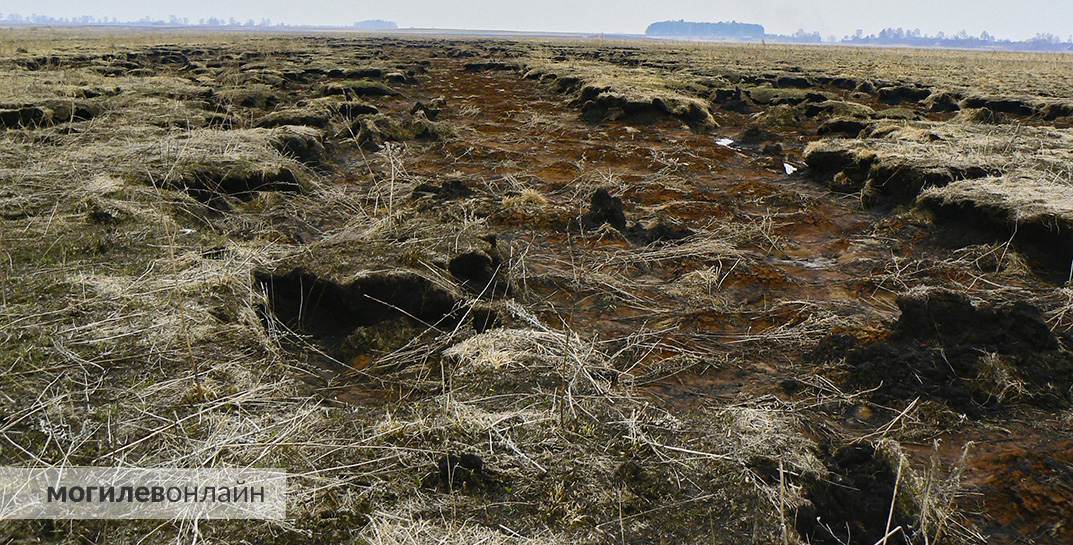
[636, 329]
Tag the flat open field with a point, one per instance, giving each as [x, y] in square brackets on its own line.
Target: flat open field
[483, 291]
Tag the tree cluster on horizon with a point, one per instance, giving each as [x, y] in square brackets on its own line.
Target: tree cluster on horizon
[170, 21]
[914, 37]
[736, 31]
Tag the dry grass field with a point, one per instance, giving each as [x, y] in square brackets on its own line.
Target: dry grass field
[490, 291]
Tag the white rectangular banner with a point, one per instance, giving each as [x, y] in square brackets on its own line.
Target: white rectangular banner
[142, 493]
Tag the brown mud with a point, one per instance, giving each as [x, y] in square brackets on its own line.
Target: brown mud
[667, 239]
[773, 250]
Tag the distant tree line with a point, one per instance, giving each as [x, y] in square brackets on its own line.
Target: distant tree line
[171, 21]
[799, 37]
[736, 31]
[962, 39]
[89, 20]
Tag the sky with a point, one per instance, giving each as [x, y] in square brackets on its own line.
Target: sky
[1016, 19]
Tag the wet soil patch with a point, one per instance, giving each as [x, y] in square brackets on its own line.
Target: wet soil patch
[852, 505]
[489, 66]
[714, 183]
[1029, 489]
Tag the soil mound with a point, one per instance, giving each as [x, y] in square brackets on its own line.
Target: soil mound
[294, 116]
[374, 130]
[431, 110]
[256, 96]
[358, 88]
[332, 312]
[1035, 215]
[464, 473]
[354, 108]
[979, 116]
[838, 108]
[1057, 110]
[611, 106]
[301, 142]
[943, 101]
[770, 96]
[842, 126]
[48, 112]
[29, 116]
[733, 100]
[972, 356]
[1006, 105]
[659, 231]
[219, 187]
[449, 190]
[902, 93]
[796, 82]
[481, 272]
[603, 208]
[757, 136]
[899, 114]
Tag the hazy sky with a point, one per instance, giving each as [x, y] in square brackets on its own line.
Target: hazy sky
[1003, 18]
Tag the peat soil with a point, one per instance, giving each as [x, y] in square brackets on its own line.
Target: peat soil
[709, 263]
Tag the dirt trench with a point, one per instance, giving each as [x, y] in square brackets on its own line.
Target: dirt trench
[773, 263]
[801, 243]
